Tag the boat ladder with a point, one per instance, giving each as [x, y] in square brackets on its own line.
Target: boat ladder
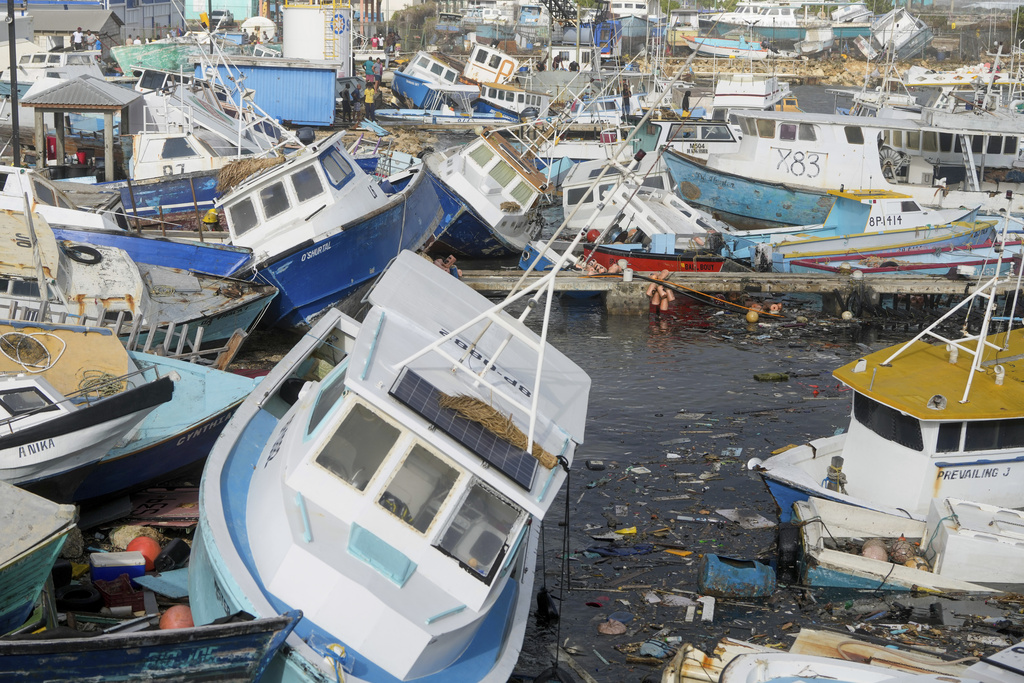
[969, 167]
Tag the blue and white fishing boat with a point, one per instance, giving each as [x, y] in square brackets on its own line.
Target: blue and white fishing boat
[739, 48]
[444, 105]
[865, 223]
[493, 192]
[512, 103]
[417, 84]
[68, 406]
[360, 478]
[238, 651]
[33, 530]
[322, 229]
[173, 437]
[787, 162]
[931, 419]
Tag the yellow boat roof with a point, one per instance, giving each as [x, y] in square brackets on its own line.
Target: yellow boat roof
[861, 195]
[923, 371]
[78, 357]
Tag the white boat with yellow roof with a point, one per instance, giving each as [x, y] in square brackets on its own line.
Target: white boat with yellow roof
[935, 418]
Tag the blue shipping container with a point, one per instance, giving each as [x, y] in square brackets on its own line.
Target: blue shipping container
[292, 93]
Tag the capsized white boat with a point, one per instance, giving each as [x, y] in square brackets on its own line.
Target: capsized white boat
[364, 483]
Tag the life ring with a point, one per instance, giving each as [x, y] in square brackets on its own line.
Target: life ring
[83, 254]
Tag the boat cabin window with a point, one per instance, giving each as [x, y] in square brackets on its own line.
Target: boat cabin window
[274, 199]
[909, 205]
[450, 76]
[176, 148]
[897, 138]
[502, 172]
[328, 398]
[419, 488]
[523, 193]
[995, 145]
[657, 182]
[986, 435]
[765, 129]
[913, 140]
[888, 423]
[25, 400]
[930, 142]
[522, 98]
[44, 195]
[306, 183]
[423, 62]
[243, 217]
[358, 447]
[495, 61]
[1010, 147]
[436, 69]
[40, 59]
[573, 196]
[787, 131]
[481, 155]
[337, 167]
[854, 135]
[481, 56]
[478, 535]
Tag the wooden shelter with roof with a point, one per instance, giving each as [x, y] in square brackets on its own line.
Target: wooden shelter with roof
[83, 95]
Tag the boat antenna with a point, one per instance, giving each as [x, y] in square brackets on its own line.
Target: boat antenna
[986, 293]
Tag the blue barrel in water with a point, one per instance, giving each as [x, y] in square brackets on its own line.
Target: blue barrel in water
[728, 577]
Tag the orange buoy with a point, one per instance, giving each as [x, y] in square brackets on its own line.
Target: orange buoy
[148, 547]
[177, 616]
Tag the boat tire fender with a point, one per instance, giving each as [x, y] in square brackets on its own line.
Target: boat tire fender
[79, 598]
[83, 254]
[555, 673]
[789, 553]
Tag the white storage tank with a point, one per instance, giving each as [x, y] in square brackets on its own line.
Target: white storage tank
[321, 32]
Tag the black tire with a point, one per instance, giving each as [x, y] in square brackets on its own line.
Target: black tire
[83, 254]
[789, 553]
[79, 598]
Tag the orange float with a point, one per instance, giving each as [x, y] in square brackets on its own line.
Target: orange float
[176, 616]
[148, 547]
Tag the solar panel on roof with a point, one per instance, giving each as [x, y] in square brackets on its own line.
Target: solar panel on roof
[422, 396]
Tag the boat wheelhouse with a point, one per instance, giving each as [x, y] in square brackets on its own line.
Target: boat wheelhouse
[496, 191]
[512, 102]
[489, 65]
[321, 228]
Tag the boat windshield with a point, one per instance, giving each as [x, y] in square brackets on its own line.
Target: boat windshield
[358, 447]
[478, 536]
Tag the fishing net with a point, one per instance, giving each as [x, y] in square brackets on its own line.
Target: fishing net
[235, 172]
[495, 422]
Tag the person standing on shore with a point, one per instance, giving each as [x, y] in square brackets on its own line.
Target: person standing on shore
[626, 94]
[76, 39]
[371, 89]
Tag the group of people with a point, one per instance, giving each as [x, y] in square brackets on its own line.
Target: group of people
[255, 38]
[389, 44]
[357, 105]
[85, 41]
[559, 64]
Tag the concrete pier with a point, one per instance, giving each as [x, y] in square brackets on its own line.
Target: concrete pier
[837, 291]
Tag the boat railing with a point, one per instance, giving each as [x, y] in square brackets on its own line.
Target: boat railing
[975, 345]
[183, 342]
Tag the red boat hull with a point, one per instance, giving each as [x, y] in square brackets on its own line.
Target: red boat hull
[641, 261]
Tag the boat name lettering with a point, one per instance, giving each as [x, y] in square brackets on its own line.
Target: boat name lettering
[976, 473]
[199, 431]
[799, 163]
[33, 448]
[525, 391]
[163, 661]
[326, 246]
[885, 220]
[22, 240]
[275, 449]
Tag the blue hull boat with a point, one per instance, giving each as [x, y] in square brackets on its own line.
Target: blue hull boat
[33, 530]
[415, 91]
[236, 651]
[747, 204]
[176, 435]
[172, 194]
[467, 234]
